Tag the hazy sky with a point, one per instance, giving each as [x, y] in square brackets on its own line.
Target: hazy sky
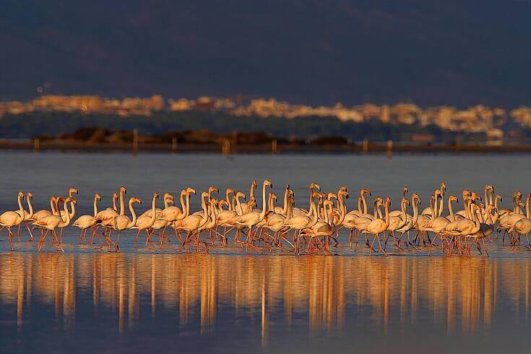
[314, 51]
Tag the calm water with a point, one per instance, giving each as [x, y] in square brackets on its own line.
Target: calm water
[143, 300]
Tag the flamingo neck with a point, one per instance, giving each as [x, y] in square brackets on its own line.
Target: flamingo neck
[415, 212]
[285, 206]
[326, 215]
[516, 206]
[57, 210]
[404, 206]
[451, 210]
[30, 207]
[52, 205]
[186, 206]
[364, 202]
[204, 218]
[133, 214]
[271, 205]
[181, 198]
[153, 210]
[73, 211]
[251, 191]
[342, 210]
[264, 202]
[95, 206]
[313, 209]
[122, 203]
[20, 207]
[67, 216]
[387, 217]
[238, 208]
[227, 197]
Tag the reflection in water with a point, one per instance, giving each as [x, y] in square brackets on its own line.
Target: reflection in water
[460, 294]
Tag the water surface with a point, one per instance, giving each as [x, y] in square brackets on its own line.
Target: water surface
[151, 300]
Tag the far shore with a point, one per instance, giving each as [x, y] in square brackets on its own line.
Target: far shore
[269, 148]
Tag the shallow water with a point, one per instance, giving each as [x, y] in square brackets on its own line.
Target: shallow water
[145, 300]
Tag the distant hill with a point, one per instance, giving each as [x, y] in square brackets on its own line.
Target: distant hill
[314, 51]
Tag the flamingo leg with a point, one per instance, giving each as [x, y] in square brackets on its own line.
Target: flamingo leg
[31, 233]
[10, 239]
[58, 244]
[42, 239]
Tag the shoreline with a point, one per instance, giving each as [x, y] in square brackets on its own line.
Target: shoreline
[370, 148]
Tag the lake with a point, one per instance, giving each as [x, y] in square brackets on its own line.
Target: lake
[150, 300]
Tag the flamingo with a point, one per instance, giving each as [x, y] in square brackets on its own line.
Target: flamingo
[398, 213]
[145, 221]
[105, 217]
[85, 222]
[379, 226]
[523, 225]
[324, 228]
[13, 218]
[71, 192]
[460, 229]
[192, 223]
[172, 212]
[245, 206]
[168, 200]
[51, 223]
[411, 220]
[300, 222]
[509, 219]
[313, 187]
[360, 223]
[398, 222]
[438, 224]
[250, 219]
[123, 222]
[28, 216]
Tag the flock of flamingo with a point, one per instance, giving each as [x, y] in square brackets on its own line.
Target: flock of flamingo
[285, 228]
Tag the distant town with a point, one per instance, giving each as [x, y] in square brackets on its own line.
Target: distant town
[494, 123]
